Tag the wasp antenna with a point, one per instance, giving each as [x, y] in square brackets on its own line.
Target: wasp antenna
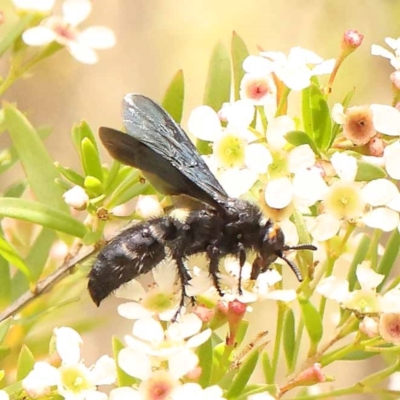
[300, 247]
[293, 267]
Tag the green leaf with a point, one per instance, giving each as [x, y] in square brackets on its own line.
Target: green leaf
[4, 328]
[368, 172]
[289, 336]
[312, 320]
[267, 367]
[297, 138]
[316, 116]
[35, 159]
[238, 54]
[242, 377]
[174, 97]
[25, 364]
[358, 258]
[90, 159]
[70, 174]
[15, 190]
[81, 131]
[118, 196]
[93, 185]
[123, 378]
[11, 255]
[39, 253]
[358, 355]
[218, 85]
[5, 283]
[205, 363]
[41, 214]
[389, 257]
[14, 32]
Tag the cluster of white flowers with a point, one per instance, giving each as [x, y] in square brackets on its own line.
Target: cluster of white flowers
[381, 312]
[245, 159]
[63, 29]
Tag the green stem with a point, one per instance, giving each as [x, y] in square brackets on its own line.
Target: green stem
[297, 344]
[282, 102]
[278, 339]
[263, 117]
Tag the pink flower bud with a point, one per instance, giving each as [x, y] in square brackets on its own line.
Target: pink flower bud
[236, 312]
[352, 38]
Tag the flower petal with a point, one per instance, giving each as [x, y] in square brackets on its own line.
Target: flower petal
[382, 218]
[204, 123]
[279, 193]
[379, 192]
[76, 11]
[237, 181]
[125, 393]
[135, 364]
[325, 227]
[149, 330]
[392, 157]
[38, 36]
[83, 53]
[188, 325]
[257, 158]
[97, 37]
[338, 114]
[276, 130]
[377, 50]
[104, 371]
[386, 119]
[68, 343]
[301, 157]
[133, 310]
[181, 363]
[345, 166]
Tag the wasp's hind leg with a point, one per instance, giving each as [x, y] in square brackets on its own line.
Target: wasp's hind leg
[242, 260]
[184, 278]
[213, 255]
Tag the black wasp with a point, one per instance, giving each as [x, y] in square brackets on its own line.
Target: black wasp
[217, 225]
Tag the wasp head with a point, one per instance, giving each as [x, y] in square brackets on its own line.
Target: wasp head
[272, 247]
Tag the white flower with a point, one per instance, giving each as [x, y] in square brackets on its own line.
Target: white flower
[160, 299]
[73, 379]
[394, 58]
[34, 5]
[391, 156]
[4, 395]
[260, 90]
[76, 197]
[358, 126]
[294, 70]
[148, 336]
[304, 187]
[364, 300]
[162, 386]
[252, 290]
[63, 30]
[235, 161]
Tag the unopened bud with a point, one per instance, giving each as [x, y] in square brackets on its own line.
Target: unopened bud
[236, 312]
[308, 377]
[351, 40]
[76, 198]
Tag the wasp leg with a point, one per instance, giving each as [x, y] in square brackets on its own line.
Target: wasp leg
[184, 278]
[214, 256]
[242, 260]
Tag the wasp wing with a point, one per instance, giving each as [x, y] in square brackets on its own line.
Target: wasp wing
[159, 147]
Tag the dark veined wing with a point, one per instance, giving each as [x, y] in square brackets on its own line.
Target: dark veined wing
[159, 147]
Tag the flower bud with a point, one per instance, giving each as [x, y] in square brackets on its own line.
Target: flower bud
[351, 40]
[76, 198]
[308, 377]
[236, 312]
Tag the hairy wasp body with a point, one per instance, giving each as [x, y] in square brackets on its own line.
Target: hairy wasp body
[221, 226]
